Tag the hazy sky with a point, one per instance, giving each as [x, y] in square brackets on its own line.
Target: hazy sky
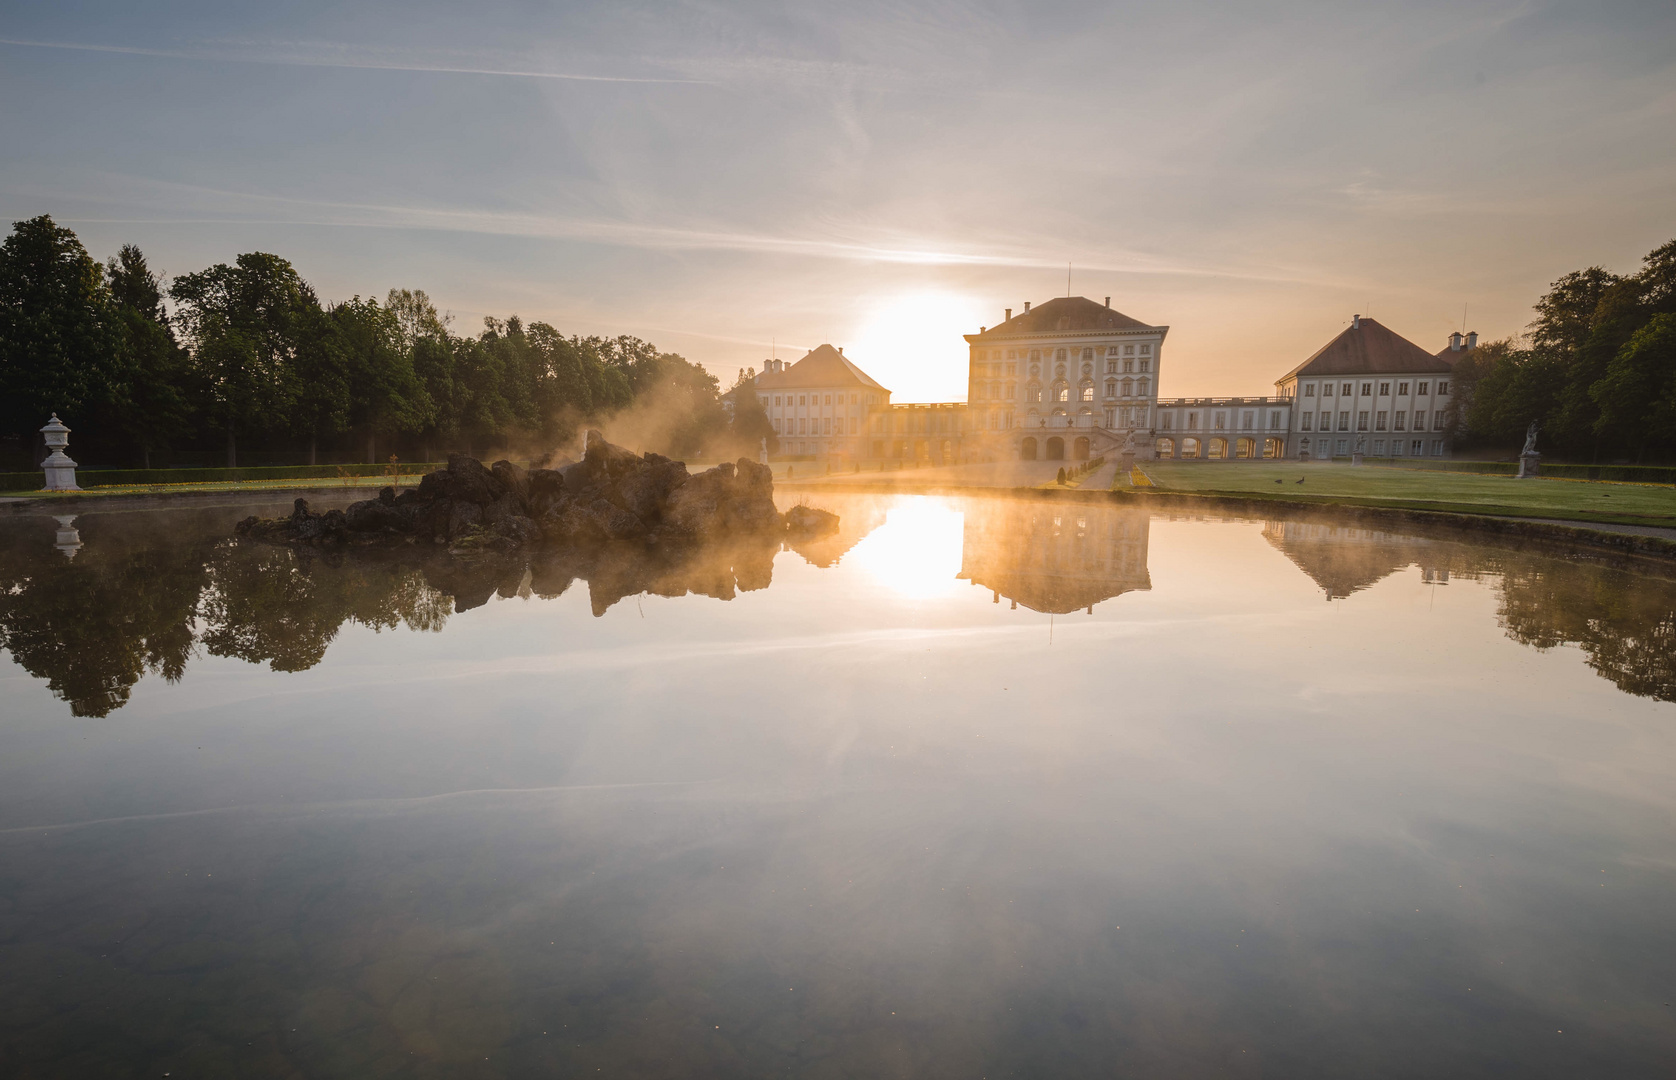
[718, 177]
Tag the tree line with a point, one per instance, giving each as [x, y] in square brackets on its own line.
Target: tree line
[1596, 369]
[245, 355]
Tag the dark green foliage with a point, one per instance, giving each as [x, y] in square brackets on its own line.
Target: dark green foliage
[58, 344]
[1597, 371]
[259, 359]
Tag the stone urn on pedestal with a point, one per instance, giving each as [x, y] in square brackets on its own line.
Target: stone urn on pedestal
[60, 470]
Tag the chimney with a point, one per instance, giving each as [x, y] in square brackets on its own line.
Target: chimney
[1009, 314]
[1027, 307]
[840, 350]
[1472, 340]
[1455, 342]
[1108, 301]
[1356, 322]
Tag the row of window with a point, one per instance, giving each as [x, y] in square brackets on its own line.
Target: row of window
[995, 371]
[1033, 393]
[1398, 448]
[1421, 389]
[803, 399]
[1399, 420]
[1062, 354]
[1249, 420]
[822, 426]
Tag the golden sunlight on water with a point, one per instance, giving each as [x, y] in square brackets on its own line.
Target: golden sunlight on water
[916, 552]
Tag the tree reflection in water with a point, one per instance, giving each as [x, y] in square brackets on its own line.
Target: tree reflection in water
[147, 590]
[1624, 622]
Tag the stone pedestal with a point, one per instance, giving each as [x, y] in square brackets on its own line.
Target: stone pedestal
[1530, 466]
[68, 541]
[1125, 466]
[1356, 458]
[59, 469]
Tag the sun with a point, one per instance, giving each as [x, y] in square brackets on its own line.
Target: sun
[912, 344]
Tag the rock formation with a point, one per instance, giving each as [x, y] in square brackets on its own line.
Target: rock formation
[612, 494]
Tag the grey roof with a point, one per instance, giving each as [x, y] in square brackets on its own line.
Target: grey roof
[1063, 314]
[822, 366]
[1369, 349]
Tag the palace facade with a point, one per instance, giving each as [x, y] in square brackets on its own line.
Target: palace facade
[1073, 379]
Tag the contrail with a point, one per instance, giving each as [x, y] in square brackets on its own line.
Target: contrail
[358, 65]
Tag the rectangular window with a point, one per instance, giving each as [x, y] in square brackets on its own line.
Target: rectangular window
[1367, 389]
[826, 426]
[1111, 367]
[1346, 390]
[1146, 365]
[1362, 420]
[1129, 366]
[775, 424]
[1343, 445]
[1402, 417]
[1442, 388]
[1221, 420]
[1419, 420]
[1326, 389]
[1274, 420]
[1169, 421]
[829, 399]
[1308, 416]
[1437, 420]
[803, 427]
[1128, 350]
[1420, 389]
[1396, 448]
[1146, 350]
[1417, 448]
[776, 399]
[1192, 421]
[1111, 417]
[1379, 421]
[1437, 448]
[1379, 448]
[1344, 421]
[1384, 389]
[1309, 391]
[802, 399]
[1402, 388]
[1245, 424]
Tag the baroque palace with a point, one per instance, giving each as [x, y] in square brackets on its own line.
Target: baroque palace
[1073, 379]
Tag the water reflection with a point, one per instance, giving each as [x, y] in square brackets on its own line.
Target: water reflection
[1625, 623]
[151, 590]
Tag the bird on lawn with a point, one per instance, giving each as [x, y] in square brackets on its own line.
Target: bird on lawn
[1280, 481]
[1300, 479]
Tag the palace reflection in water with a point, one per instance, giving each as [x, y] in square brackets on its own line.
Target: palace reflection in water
[92, 604]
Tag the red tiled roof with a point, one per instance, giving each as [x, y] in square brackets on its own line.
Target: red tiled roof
[1369, 349]
[1064, 314]
[823, 366]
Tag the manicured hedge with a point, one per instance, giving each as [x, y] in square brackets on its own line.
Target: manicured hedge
[92, 478]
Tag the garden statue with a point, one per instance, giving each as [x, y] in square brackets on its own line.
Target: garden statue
[1530, 462]
[1361, 447]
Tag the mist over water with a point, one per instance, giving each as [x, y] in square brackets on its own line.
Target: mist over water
[995, 787]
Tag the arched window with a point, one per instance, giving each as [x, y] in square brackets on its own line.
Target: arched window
[1088, 393]
[1088, 354]
[1033, 393]
[1064, 394]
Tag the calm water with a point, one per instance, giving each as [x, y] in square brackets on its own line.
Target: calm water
[978, 788]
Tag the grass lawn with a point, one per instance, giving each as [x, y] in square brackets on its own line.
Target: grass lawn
[1370, 485]
[218, 486]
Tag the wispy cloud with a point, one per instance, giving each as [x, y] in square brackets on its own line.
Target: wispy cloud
[338, 56]
[864, 246]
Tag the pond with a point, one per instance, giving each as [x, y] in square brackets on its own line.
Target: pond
[978, 787]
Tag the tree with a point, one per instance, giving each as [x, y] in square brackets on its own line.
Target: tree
[1637, 396]
[58, 351]
[750, 424]
[152, 406]
[385, 396]
[247, 323]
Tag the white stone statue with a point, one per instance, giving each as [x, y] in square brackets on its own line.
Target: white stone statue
[762, 453]
[1530, 439]
[1361, 444]
[60, 470]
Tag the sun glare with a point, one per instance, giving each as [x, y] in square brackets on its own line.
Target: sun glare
[916, 552]
[912, 344]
